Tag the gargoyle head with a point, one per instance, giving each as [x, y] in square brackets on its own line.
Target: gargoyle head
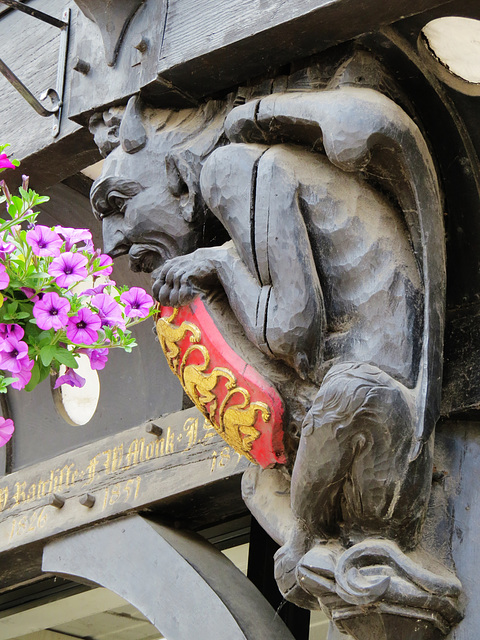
[148, 196]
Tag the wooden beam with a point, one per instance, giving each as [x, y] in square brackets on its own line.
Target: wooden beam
[194, 49]
[132, 470]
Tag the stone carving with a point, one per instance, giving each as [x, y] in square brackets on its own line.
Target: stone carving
[331, 282]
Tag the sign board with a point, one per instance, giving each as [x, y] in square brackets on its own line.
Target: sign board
[119, 474]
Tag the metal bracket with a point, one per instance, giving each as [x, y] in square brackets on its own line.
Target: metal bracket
[54, 95]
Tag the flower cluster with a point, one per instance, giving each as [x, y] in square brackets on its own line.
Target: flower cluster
[57, 300]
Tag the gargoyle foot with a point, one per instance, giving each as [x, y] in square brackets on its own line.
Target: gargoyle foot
[287, 559]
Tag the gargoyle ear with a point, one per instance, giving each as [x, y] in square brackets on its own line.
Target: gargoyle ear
[178, 186]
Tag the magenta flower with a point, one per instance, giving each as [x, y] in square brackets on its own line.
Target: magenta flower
[4, 277]
[6, 430]
[51, 311]
[5, 247]
[14, 355]
[23, 376]
[137, 302]
[98, 357]
[105, 265]
[73, 236]
[68, 268]
[100, 288]
[31, 294]
[109, 311]
[70, 377]
[5, 162]
[83, 328]
[43, 241]
[14, 331]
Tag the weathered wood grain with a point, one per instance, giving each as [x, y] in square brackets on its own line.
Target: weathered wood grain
[124, 473]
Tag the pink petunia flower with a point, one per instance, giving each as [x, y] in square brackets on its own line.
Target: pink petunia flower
[68, 268]
[100, 288]
[43, 241]
[51, 311]
[5, 162]
[5, 247]
[6, 430]
[14, 331]
[70, 377]
[109, 311]
[83, 328]
[105, 265]
[4, 277]
[137, 302]
[14, 355]
[23, 376]
[98, 357]
[74, 236]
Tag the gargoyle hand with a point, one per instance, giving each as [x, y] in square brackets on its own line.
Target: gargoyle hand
[180, 279]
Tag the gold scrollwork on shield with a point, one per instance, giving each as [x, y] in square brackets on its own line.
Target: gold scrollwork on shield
[236, 417]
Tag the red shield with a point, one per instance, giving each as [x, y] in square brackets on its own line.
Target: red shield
[241, 404]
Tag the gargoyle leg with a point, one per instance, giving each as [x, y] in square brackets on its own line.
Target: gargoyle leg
[271, 237]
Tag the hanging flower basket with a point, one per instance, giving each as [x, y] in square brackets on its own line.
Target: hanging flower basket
[57, 300]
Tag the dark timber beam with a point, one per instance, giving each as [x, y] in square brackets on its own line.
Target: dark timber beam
[176, 53]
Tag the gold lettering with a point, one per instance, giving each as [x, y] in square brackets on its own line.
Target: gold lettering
[224, 457]
[150, 450]
[3, 498]
[191, 429]
[57, 482]
[139, 479]
[20, 492]
[135, 450]
[91, 470]
[45, 487]
[142, 450]
[117, 457]
[32, 493]
[68, 468]
[214, 461]
[108, 461]
[114, 493]
[170, 441]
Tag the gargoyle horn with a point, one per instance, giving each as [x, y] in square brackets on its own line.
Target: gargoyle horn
[112, 18]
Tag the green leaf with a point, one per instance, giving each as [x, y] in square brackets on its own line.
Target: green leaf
[35, 379]
[21, 315]
[66, 357]
[47, 354]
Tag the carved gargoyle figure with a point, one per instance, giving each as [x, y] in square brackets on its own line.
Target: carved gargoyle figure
[334, 270]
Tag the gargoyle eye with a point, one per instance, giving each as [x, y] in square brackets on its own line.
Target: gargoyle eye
[117, 201]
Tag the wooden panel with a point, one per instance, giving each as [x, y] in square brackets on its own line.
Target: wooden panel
[30, 48]
[210, 46]
[124, 473]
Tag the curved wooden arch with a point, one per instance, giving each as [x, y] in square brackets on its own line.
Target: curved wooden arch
[181, 583]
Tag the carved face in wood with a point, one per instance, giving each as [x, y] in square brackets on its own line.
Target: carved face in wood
[148, 197]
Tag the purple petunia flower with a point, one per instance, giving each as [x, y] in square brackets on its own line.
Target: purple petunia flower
[137, 302]
[83, 328]
[4, 277]
[109, 311]
[98, 357]
[100, 288]
[14, 331]
[74, 236]
[6, 430]
[5, 247]
[14, 355]
[68, 268]
[51, 311]
[23, 376]
[43, 241]
[105, 265]
[70, 377]
[5, 162]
